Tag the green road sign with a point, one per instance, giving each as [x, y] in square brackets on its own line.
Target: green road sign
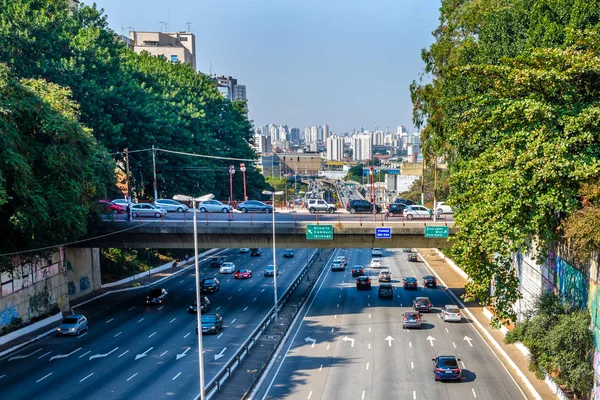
[436, 232]
[319, 232]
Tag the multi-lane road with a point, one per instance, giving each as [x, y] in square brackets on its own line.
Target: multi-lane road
[351, 345]
[132, 350]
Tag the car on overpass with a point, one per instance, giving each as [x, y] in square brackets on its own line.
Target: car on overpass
[254, 206]
[446, 368]
[147, 210]
[405, 202]
[171, 205]
[358, 205]
[417, 212]
[108, 207]
[72, 325]
[395, 209]
[209, 285]
[442, 208]
[314, 205]
[213, 206]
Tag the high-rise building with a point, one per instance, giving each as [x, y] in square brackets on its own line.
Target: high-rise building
[230, 88]
[362, 147]
[325, 132]
[295, 135]
[335, 148]
[176, 47]
[377, 138]
[306, 137]
[263, 144]
[265, 130]
[314, 135]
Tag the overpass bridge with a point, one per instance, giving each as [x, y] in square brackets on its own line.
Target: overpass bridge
[256, 231]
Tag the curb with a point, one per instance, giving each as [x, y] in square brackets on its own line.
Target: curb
[493, 341]
[451, 263]
[35, 339]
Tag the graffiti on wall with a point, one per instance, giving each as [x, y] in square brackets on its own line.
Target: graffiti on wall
[572, 284]
[39, 301]
[84, 283]
[72, 288]
[8, 314]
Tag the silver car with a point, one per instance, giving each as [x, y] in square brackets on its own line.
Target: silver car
[450, 312]
[72, 325]
[147, 210]
[213, 206]
[171, 205]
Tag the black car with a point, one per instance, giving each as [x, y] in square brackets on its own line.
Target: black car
[357, 205]
[204, 306]
[363, 282]
[429, 281]
[410, 282]
[288, 253]
[386, 290]
[413, 257]
[405, 202]
[395, 210]
[357, 270]
[209, 285]
[254, 206]
[254, 252]
[422, 304]
[211, 323]
[157, 296]
[216, 261]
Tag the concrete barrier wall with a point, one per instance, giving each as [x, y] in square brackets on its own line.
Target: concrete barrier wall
[30, 328]
[82, 270]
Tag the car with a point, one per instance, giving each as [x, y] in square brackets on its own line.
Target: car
[122, 202]
[363, 282]
[359, 205]
[72, 325]
[216, 261]
[204, 306]
[209, 206]
[288, 253]
[358, 270]
[209, 285]
[243, 274]
[342, 259]
[376, 252]
[376, 263]
[244, 250]
[337, 265]
[411, 319]
[255, 252]
[171, 205]
[227, 268]
[405, 202]
[410, 282]
[446, 368]
[422, 304]
[386, 289]
[147, 210]
[157, 296]
[417, 212]
[108, 207]
[254, 206]
[385, 276]
[270, 271]
[429, 281]
[320, 205]
[211, 323]
[407, 250]
[451, 312]
[442, 208]
[395, 209]
[412, 257]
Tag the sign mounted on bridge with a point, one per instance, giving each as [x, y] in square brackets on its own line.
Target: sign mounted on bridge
[436, 232]
[319, 232]
[383, 233]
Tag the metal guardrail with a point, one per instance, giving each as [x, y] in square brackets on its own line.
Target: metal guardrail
[225, 373]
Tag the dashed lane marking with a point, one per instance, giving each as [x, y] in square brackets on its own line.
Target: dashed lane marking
[131, 377]
[412, 366]
[255, 299]
[141, 319]
[230, 297]
[130, 308]
[2, 376]
[109, 320]
[245, 308]
[240, 289]
[165, 352]
[474, 394]
[44, 355]
[369, 346]
[447, 330]
[363, 395]
[309, 395]
[160, 308]
[151, 335]
[327, 347]
[176, 376]
[453, 344]
[117, 334]
[122, 354]
[86, 377]
[218, 308]
[233, 320]
[171, 321]
[181, 281]
[262, 290]
[188, 334]
[367, 366]
[320, 368]
[414, 394]
[85, 354]
[221, 334]
[42, 378]
[80, 336]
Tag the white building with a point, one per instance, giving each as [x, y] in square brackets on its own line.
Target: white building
[263, 144]
[229, 85]
[362, 147]
[378, 138]
[335, 148]
[325, 132]
[176, 47]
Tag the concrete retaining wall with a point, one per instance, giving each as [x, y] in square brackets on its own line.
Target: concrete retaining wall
[30, 328]
[83, 271]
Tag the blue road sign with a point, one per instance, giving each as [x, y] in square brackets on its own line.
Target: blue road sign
[383, 233]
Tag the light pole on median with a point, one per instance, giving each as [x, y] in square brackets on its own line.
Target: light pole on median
[243, 169]
[272, 194]
[198, 303]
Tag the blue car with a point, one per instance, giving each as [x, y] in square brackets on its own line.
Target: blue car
[446, 368]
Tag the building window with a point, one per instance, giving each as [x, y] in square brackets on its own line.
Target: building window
[150, 43]
[183, 38]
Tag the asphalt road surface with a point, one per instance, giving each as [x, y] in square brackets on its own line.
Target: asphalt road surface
[351, 345]
[135, 351]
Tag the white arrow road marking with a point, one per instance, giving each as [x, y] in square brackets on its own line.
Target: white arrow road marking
[23, 356]
[309, 339]
[64, 355]
[103, 355]
[389, 340]
[431, 339]
[182, 354]
[468, 339]
[144, 354]
[217, 356]
[346, 338]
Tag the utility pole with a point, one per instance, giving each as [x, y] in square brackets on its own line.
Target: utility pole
[434, 188]
[423, 182]
[154, 170]
[127, 180]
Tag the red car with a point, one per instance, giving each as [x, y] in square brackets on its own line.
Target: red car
[109, 207]
[243, 274]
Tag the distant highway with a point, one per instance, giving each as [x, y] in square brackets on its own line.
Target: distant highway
[136, 351]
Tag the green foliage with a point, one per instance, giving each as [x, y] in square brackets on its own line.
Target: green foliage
[355, 173]
[443, 187]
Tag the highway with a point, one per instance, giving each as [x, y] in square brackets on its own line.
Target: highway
[136, 351]
[350, 345]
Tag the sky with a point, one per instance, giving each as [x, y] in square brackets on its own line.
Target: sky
[345, 63]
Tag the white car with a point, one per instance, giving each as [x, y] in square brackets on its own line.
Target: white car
[442, 208]
[450, 312]
[376, 263]
[227, 268]
[244, 250]
[147, 210]
[417, 212]
[171, 205]
[376, 252]
[342, 259]
[213, 206]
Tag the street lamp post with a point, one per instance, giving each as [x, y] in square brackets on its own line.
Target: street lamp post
[243, 169]
[231, 172]
[198, 303]
[272, 194]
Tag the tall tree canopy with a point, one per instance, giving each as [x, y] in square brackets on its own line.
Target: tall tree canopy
[513, 105]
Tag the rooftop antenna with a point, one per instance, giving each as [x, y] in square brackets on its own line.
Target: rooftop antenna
[163, 25]
[189, 25]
